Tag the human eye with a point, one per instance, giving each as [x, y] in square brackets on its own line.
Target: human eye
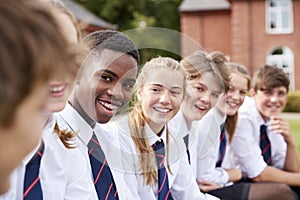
[176, 92]
[243, 92]
[198, 88]
[266, 92]
[128, 84]
[106, 78]
[281, 93]
[155, 90]
[215, 94]
[231, 89]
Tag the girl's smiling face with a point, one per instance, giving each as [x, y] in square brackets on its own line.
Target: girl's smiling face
[161, 96]
[202, 94]
[230, 102]
[61, 83]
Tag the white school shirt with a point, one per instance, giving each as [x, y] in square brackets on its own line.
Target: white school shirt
[181, 182]
[178, 124]
[245, 143]
[70, 119]
[207, 147]
[63, 173]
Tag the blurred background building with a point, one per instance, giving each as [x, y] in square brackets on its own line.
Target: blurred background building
[89, 22]
[251, 32]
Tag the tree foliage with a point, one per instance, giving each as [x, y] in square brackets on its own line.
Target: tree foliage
[132, 14]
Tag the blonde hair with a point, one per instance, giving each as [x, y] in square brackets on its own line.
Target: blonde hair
[137, 120]
[231, 121]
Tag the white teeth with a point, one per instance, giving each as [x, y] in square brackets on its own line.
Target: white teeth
[232, 104]
[108, 105]
[201, 107]
[57, 88]
[162, 110]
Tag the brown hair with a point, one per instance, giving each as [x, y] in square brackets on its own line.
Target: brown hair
[231, 121]
[137, 119]
[269, 77]
[201, 62]
[65, 136]
[61, 7]
[31, 50]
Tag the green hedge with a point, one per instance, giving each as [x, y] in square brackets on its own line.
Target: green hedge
[293, 102]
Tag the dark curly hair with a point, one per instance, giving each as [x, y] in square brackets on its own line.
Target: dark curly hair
[113, 40]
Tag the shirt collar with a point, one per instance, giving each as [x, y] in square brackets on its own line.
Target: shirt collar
[217, 115]
[50, 123]
[152, 137]
[77, 123]
[29, 156]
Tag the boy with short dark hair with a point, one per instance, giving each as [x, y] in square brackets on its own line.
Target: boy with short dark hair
[103, 86]
[263, 144]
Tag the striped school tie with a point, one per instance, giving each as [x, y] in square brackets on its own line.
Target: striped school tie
[222, 148]
[265, 145]
[103, 179]
[186, 141]
[32, 185]
[163, 181]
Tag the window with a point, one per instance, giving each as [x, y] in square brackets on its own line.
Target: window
[279, 16]
[283, 57]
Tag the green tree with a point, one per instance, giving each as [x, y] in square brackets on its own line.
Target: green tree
[132, 14]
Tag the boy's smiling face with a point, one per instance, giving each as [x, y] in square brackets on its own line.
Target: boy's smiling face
[102, 91]
[270, 102]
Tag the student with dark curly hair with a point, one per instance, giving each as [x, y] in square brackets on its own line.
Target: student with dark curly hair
[103, 86]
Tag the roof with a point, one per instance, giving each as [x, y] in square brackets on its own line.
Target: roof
[82, 14]
[203, 5]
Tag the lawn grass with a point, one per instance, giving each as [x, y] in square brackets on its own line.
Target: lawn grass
[295, 126]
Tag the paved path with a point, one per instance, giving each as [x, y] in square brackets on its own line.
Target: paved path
[291, 115]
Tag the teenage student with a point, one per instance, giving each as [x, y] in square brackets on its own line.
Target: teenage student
[216, 179]
[262, 136]
[103, 86]
[26, 28]
[59, 174]
[204, 85]
[154, 157]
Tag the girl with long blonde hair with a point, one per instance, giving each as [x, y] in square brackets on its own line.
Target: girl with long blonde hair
[154, 158]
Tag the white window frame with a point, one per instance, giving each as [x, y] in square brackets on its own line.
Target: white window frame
[278, 12]
[286, 58]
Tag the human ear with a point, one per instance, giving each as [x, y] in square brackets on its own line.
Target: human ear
[252, 92]
[139, 94]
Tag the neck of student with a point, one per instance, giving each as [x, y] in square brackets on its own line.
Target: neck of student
[76, 105]
[4, 182]
[187, 119]
[157, 129]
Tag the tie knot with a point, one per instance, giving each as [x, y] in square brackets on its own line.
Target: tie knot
[93, 141]
[263, 129]
[157, 146]
[222, 126]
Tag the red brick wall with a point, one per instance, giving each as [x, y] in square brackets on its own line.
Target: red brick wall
[240, 33]
[209, 30]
